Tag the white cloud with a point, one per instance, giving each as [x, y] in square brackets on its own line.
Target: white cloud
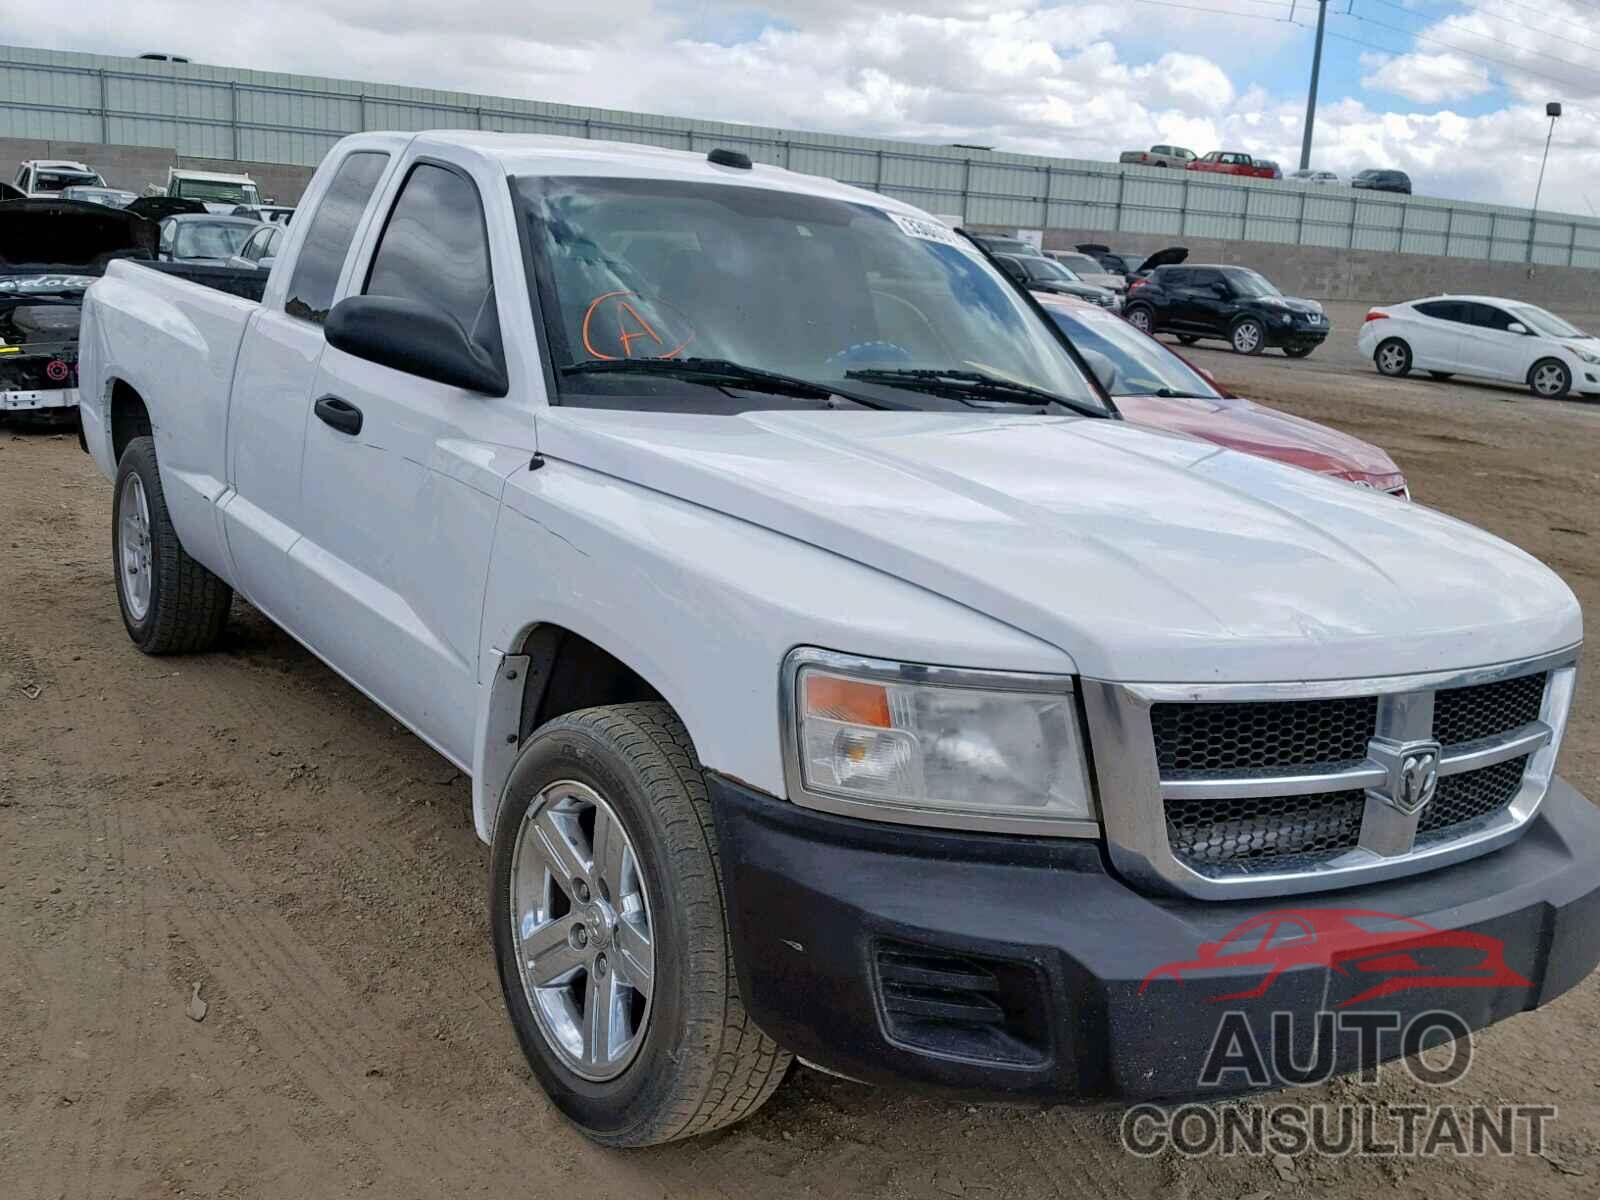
[1021, 75]
[1428, 78]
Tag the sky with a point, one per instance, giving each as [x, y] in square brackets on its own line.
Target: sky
[1451, 91]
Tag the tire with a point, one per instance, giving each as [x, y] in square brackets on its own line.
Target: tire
[1141, 318]
[1393, 358]
[1249, 337]
[1550, 379]
[1187, 339]
[170, 603]
[686, 1059]
[1442, 376]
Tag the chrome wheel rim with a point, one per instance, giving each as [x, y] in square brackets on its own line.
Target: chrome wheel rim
[580, 918]
[1392, 359]
[1140, 320]
[133, 547]
[1246, 338]
[1549, 380]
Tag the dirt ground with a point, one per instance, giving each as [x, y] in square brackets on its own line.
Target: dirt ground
[246, 822]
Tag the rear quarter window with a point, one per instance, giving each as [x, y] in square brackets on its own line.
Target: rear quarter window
[333, 228]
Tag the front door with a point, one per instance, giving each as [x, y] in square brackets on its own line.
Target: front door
[1492, 350]
[400, 512]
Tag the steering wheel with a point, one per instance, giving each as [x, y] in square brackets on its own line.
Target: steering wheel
[863, 353]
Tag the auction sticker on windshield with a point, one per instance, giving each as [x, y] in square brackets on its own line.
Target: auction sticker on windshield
[928, 231]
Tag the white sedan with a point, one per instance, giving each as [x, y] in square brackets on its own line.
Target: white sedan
[1483, 336]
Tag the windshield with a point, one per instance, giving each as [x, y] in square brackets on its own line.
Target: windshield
[807, 287]
[109, 197]
[1049, 268]
[1081, 264]
[1247, 283]
[1143, 366]
[54, 181]
[216, 191]
[210, 239]
[1547, 323]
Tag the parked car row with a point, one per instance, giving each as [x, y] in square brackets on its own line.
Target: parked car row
[1233, 162]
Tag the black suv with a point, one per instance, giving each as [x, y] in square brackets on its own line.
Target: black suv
[1383, 181]
[1234, 304]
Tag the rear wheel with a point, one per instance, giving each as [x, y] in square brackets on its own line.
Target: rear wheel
[1142, 319]
[1550, 379]
[610, 933]
[1249, 337]
[1393, 358]
[170, 603]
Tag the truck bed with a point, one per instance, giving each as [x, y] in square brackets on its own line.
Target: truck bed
[243, 282]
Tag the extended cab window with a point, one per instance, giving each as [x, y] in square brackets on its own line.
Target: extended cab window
[333, 227]
[435, 249]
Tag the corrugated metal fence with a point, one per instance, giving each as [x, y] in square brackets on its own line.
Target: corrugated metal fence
[217, 112]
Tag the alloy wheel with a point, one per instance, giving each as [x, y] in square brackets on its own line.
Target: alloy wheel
[1550, 380]
[1247, 337]
[1392, 359]
[581, 916]
[1140, 320]
[133, 544]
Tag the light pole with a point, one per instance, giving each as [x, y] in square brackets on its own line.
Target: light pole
[1316, 74]
[1553, 111]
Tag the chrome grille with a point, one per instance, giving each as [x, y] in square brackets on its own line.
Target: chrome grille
[1236, 790]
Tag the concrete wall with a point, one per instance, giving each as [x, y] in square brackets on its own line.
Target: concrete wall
[1364, 275]
[135, 167]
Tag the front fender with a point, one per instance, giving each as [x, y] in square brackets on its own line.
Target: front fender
[704, 607]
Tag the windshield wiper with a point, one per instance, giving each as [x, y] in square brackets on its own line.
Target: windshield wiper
[972, 387]
[715, 372]
[1173, 394]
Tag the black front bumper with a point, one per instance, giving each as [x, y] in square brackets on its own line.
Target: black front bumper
[1010, 968]
[1298, 333]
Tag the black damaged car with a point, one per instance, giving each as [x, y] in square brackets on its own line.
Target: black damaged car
[1232, 304]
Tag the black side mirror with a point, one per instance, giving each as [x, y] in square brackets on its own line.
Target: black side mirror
[1222, 290]
[416, 338]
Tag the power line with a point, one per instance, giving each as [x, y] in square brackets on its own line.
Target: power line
[1472, 33]
[1422, 37]
[1231, 12]
[1355, 41]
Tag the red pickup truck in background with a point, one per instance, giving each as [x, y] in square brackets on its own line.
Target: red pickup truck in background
[1226, 162]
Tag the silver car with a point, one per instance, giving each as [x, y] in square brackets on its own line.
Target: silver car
[1089, 270]
[1309, 175]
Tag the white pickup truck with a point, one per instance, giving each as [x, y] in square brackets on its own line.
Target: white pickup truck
[838, 675]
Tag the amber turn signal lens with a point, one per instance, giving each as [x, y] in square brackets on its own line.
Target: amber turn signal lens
[850, 700]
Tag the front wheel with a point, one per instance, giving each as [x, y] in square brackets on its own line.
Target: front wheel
[1550, 379]
[1249, 337]
[611, 936]
[170, 603]
[1142, 319]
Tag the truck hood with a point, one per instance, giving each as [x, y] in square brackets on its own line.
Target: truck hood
[69, 237]
[1255, 429]
[1141, 555]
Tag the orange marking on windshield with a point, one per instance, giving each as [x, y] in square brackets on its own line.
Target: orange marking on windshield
[627, 338]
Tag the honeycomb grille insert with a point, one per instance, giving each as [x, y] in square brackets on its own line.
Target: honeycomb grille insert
[1211, 833]
[1475, 794]
[1207, 739]
[1467, 714]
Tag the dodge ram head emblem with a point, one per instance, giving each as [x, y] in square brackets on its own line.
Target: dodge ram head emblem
[1413, 769]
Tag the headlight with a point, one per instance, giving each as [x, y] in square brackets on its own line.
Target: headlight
[936, 746]
[1587, 357]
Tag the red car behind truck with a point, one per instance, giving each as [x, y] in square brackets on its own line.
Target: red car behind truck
[1228, 162]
